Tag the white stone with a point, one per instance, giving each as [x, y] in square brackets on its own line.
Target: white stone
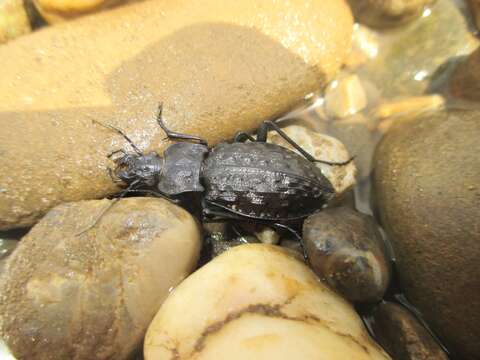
[258, 302]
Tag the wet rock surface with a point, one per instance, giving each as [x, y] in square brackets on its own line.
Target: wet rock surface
[217, 68]
[92, 296]
[387, 13]
[346, 250]
[259, 302]
[13, 20]
[400, 333]
[427, 194]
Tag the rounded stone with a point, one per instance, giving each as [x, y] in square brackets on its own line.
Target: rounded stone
[426, 186]
[387, 13]
[13, 20]
[72, 295]
[257, 302]
[55, 11]
[464, 82]
[346, 250]
[403, 336]
[217, 67]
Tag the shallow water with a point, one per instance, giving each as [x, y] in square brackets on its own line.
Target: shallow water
[396, 68]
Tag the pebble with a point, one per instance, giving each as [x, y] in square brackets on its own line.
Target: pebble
[365, 44]
[345, 96]
[322, 147]
[259, 302]
[217, 67]
[387, 13]
[13, 20]
[66, 295]
[464, 82]
[400, 333]
[56, 11]
[346, 250]
[393, 111]
[418, 58]
[475, 9]
[427, 194]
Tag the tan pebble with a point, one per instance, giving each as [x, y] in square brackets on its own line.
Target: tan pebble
[13, 20]
[345, 96]
[365, 46]
[56, 11]
[390, 112]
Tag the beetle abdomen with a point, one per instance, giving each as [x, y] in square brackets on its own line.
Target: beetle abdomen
[264, 181]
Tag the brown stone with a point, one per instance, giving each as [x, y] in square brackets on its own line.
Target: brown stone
[218, 67]
[387, 13]
[92, 296]
[346, 250]
[427, 192]
[403, 336]
[465, 81]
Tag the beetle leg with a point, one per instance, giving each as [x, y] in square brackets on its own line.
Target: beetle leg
[120, 151]
[242, 137]
[262, 134]
[155, 193]
[112, 176]
[176, 135]
[294, 233]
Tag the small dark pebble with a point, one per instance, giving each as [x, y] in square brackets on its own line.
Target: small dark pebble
[346, 249]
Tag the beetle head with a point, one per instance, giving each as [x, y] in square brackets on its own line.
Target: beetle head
[142, 169]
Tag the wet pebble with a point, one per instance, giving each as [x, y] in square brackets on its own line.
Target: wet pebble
[257, 302]
[387, 13]
[68, 295]
[346, 250]
[427, 198]
[55, 11]
[13, 20]
[345, 96]
[403, 336]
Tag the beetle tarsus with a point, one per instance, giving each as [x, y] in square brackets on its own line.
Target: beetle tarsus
[176, 135]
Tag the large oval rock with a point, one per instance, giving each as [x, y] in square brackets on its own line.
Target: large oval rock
[92, 296]
[257, 302]
[218, 67]
[426, 183]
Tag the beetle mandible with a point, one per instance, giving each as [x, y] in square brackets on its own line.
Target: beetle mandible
[248, 179]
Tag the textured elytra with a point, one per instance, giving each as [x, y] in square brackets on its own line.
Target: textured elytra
[264, 181]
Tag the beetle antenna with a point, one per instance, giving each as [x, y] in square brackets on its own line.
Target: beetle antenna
[108, 207]
[118, 131]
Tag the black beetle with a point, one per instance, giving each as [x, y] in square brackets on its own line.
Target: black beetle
[246, 179]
